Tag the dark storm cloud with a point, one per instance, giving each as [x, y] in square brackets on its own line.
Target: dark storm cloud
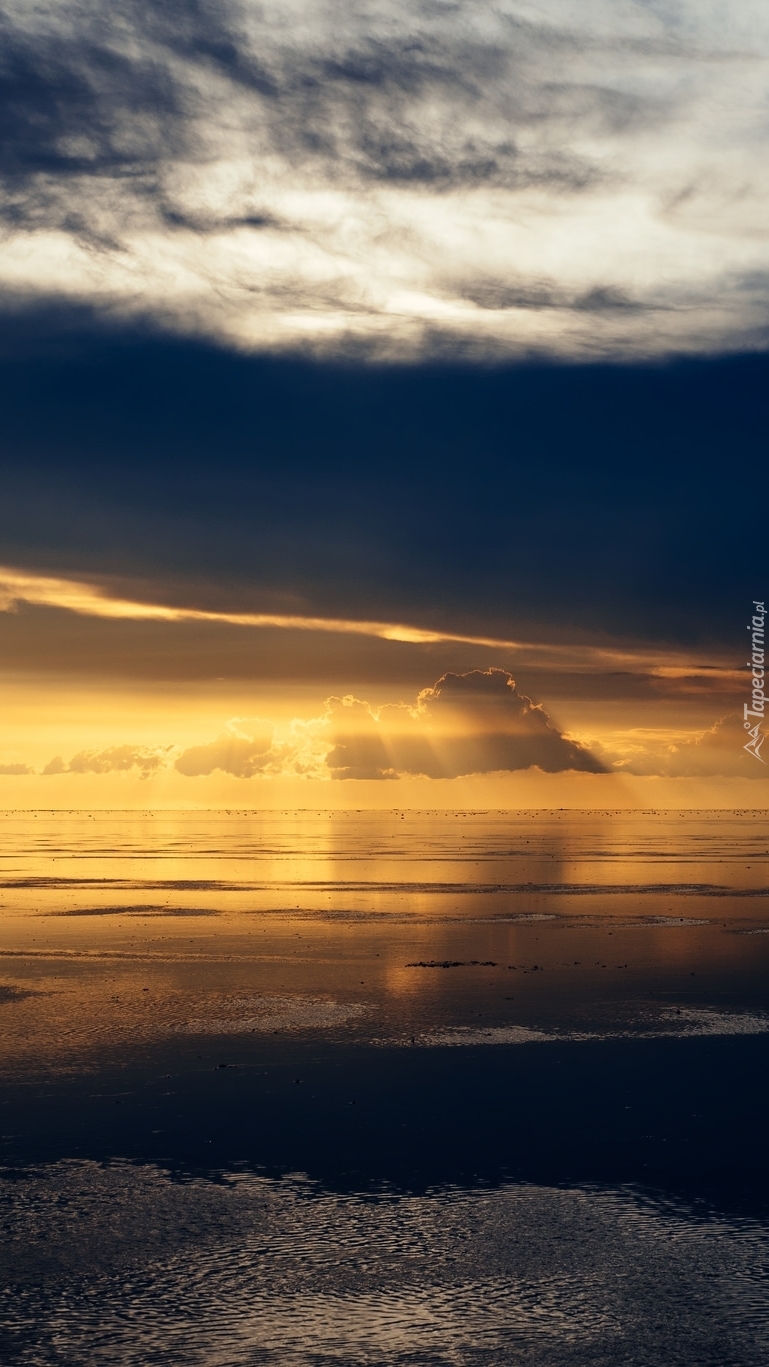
[549, 502]
[74, 105]
[438, 111]
[320, 144]
[83, 125]
[488, 293]
[493, 294]
[87, 95]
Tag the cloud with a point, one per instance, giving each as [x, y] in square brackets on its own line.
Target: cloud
[232, 754]
[398, 176]
[717, 752]
[361, 746]
[251, 747]
[371, 95]
[115, 759]
[18, 588]
[469, 723]
[465, 724]
[472, 723]
[56, 766]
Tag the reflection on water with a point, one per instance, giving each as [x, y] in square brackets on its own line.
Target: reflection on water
[122, 1266]
[241, 994]
[378, 926]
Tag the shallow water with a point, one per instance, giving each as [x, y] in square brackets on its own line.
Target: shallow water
[384, 1087]
[141, 1270]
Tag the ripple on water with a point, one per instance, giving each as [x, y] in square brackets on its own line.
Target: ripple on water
[121, 1265]
[668, 1022]
[273, 1013]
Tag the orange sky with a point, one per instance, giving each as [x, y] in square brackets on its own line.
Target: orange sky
[105, 705]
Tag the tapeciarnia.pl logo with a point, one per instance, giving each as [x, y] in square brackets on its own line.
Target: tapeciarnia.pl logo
[756, 664]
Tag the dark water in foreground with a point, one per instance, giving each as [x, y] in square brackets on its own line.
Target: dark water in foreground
[378, 1088]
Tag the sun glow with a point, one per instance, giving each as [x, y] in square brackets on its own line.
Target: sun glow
[94, 600]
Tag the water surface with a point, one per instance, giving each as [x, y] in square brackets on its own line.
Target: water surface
[384, 1087]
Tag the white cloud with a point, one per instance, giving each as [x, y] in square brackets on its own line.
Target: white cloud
[581, 179]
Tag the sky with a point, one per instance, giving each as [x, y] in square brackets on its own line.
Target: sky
[383, 404]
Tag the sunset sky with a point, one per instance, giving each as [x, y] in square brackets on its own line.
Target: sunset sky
[383, 399]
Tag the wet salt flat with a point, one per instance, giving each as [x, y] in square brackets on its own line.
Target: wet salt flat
[384, 1087]
[377, 926]
[119, 1265]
